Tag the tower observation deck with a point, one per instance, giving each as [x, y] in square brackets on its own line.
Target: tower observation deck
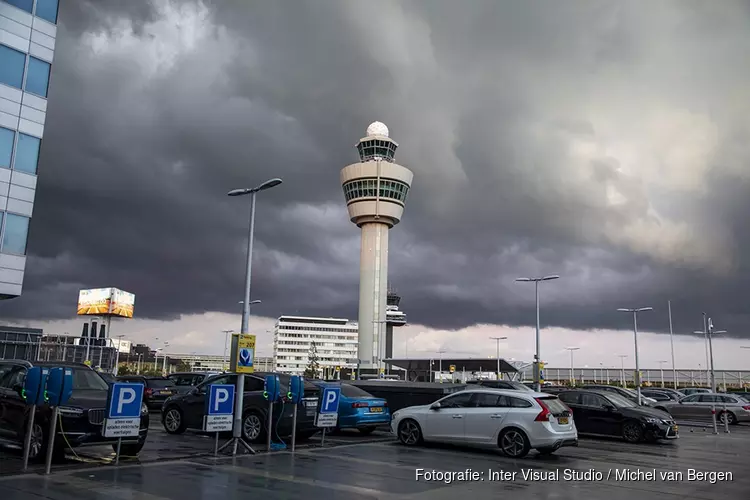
[375, 190]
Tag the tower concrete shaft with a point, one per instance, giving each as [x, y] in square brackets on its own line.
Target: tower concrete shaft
[375, 190]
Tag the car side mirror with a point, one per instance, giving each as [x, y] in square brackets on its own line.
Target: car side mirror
[435, 406]
[609, 407]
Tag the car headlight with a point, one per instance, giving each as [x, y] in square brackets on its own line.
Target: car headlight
[650, 420]
[69, 411]
[144, 409]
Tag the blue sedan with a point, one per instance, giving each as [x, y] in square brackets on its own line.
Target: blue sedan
[359, 409]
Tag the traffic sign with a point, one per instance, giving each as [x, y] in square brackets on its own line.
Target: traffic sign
[220, 408]
[246, 354]
[124, 410]
[329, 407]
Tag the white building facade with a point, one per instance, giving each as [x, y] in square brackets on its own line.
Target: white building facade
[28, 29]
[335, 342]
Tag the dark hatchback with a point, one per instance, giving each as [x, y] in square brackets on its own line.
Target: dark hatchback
[157, 389]
[608, 414]
[186, 411]
[81, 418]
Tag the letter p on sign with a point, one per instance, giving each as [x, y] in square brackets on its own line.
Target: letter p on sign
[127, 396]
[222, 396]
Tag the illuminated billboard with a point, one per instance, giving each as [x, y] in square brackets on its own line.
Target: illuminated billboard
[106, 302]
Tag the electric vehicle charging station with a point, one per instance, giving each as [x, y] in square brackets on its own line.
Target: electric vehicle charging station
[33, 395]
[58, 389]
[272, 393]
[295, 394]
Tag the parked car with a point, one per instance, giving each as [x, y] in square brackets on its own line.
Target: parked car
[624, 392]
[358, 409]
[81, 418]
[515, 421]
[509, 385]
[608, 414]
[727, 406]
[687, 391]
[661, 395]
[673, 393]
[186, 411]
[184, 382]
[108, 377]
[157, 389]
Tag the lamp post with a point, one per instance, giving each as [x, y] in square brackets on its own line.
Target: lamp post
[661, 369]
[710, 333]
[164, 364]
[572, 373]
[156, 359]
[671, 345]
[622, 368]
[117, 354]
[498, 339]
[225, 361]
[635, 312]
[440, 364]
[537, 356]
[240, 391]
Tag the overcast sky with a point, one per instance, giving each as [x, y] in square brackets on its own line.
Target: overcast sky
[600, 141]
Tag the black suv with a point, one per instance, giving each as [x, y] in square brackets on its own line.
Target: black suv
[157, 389]
[80, 419]
[186, 411]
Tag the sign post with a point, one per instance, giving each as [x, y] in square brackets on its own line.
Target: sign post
[328, 412]
[219, 412]
[33, 395]
[241, 362]
[59, 388]
[123, 413]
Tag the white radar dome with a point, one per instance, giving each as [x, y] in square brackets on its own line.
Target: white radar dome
[377, 128]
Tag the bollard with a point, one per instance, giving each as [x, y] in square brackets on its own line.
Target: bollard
[726, 420]
[713, 418]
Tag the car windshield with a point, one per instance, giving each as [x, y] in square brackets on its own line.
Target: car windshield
[88, 380]
[521, 387]
[351, 391]
[629, 392]
[620, 401]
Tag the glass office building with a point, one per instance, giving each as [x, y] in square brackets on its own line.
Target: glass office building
[27, 43]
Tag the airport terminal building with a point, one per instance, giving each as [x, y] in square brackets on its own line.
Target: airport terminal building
[27, 42]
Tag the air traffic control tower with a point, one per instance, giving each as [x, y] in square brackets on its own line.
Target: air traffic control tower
[375, 189]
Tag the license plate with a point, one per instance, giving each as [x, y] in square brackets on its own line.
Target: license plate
[166, 393]
[562, 420]
[311, 404]
[377, 409]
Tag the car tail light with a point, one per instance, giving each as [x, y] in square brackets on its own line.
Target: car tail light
[385, 403]
[746, 407]
[149, 391]
[544, 414]
[359, 405]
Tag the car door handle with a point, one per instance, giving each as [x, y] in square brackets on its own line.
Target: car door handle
[458, 416]
[496, 415]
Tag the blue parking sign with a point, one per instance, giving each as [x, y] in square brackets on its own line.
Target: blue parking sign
[125, 400]
[331, 398]
[221, 399]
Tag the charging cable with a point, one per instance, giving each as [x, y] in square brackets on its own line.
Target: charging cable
[62, 432]
[281, 445]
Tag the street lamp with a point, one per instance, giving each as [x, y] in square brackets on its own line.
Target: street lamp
[572, 373]
[711, 333]
[661, 369]
[622, 368]
[164, 363]
[226, 341]
[239, 403]
[498, 339]
[635, 312]
[117, 354]
[537, 356]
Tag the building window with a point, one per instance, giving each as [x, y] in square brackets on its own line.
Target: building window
[26, 5]
[47, 10]
[37, 79]
[27, 154]
[6, 146]
[15, 233]
[11, 66]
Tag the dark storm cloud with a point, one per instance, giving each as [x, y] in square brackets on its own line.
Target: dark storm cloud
[574, 138]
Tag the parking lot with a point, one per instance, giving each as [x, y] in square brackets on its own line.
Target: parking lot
[377, 467]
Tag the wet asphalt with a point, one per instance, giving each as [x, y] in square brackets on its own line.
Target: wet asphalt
[365, 467]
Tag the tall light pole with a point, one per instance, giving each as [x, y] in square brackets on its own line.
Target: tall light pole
[498, 339]
[661, 369]
[164, 364]
[225, 362]
[705, 343]
[622, 368]
[635, 312]
[239, 398]
[710, 333]
[537, 356]
[440, 364]
[117, 354]
[671, 344]
[572, 374]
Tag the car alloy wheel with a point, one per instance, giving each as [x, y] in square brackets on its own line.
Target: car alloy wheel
[409, 433]
[513, 443]
[252, 427]
[632, 432]
[172, 420]
[37, 441]
[727, 415]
